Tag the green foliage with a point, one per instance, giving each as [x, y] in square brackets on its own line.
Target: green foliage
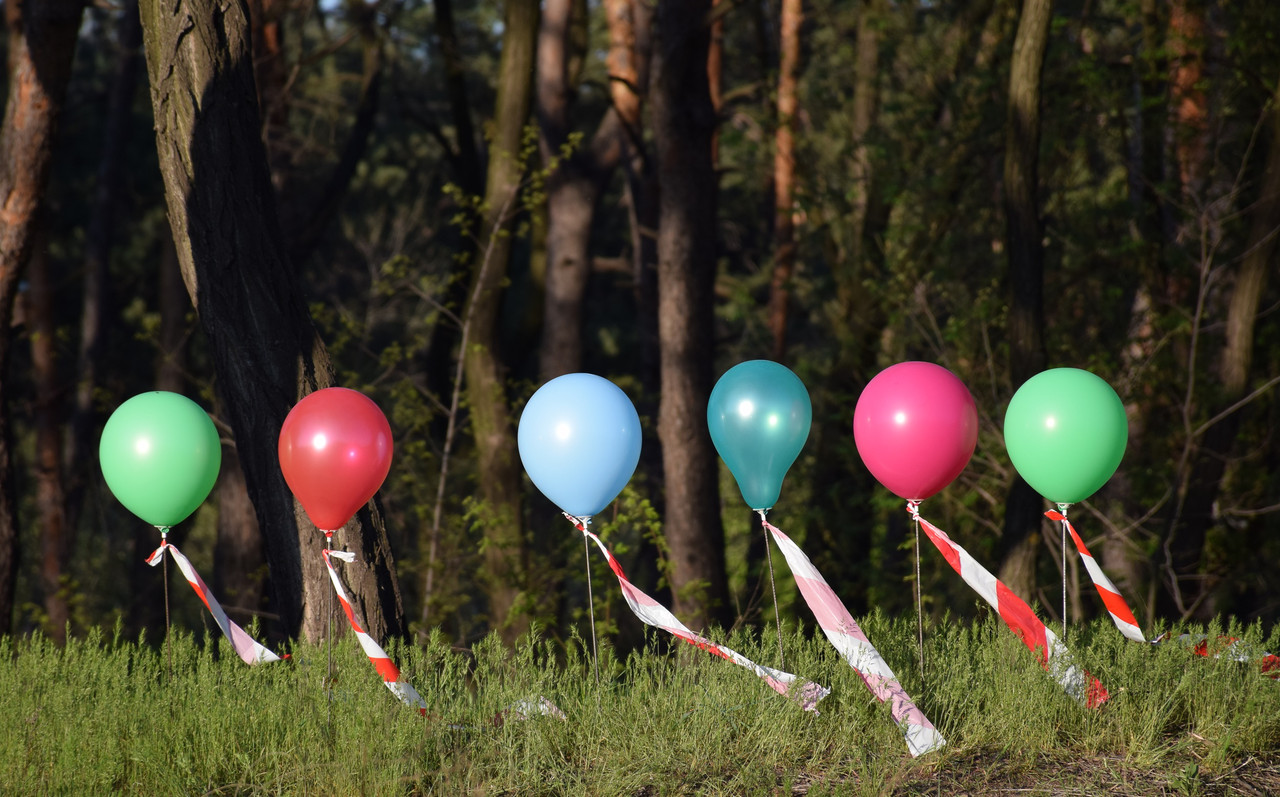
[111, 715]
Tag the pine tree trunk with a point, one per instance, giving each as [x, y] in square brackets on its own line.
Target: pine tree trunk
[50, 488]
[684, 121]
[79, 460]
[265, 350]
[573, 188]
[492, 424]
[1026, 270]
[1198, 513]
[784, 169]
[42, 40]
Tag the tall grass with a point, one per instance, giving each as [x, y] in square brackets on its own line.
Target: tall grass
[107, 716]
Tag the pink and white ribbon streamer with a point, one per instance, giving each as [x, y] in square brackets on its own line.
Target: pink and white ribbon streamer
[381, 661]
[1111, 597]
[650, 612]
[847, 638]
[246, 647]
[1015, 612]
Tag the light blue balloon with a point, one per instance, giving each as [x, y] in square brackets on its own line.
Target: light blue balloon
[579, 440]
[759, 416]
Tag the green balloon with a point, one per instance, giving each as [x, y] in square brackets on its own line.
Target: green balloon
[1066, 432]
[759, 416]
[160, 456]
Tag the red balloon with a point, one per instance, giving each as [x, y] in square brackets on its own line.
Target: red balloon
[335, 452]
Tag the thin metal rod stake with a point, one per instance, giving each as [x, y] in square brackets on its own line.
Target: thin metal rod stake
[164, 567]
[328, 643]
[1063, 509]
[773, 587]
[591, 604]
[919, 602]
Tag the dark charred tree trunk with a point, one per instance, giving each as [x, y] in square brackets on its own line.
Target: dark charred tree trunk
[237, 556]
[1024, 234]
[42, 42]
[684, 122]
[499, 470]
[265, 349]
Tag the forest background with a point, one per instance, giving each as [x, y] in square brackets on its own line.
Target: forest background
[444, 204]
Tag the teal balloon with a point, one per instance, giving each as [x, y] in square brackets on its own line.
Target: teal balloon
[160, 456]
[759, 416]
[1066, 432]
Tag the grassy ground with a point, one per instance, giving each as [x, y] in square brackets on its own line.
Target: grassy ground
[106, 716]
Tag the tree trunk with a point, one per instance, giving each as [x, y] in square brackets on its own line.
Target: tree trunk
[81, 443]
[42, 41]
[684, 121]
[784, 169]
[1190, 107]
[323, 212]
[468, 156]
[1198, 514]
[265, 350]
[630, 50]
[237, 555]
[498, 469]
[573, 188]
[1026, 270]
[50, 489]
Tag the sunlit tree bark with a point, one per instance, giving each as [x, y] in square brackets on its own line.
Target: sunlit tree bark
[41, 44]
[265, 350]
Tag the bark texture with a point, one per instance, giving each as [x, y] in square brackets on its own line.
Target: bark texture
[265, 350]
[42, 40]
[684, 122]
[500, 473]
[1024, 234]
[784, 169]
[573, 187]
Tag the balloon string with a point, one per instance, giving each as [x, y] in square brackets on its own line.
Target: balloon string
[914, 508]
[777, 615]
[1063, 509]
[164, 567]
[328, 643]
[591, 604]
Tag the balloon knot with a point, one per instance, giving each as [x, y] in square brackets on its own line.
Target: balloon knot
[914, 508]
[579, 523]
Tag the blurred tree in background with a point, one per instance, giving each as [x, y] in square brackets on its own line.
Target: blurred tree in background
[473, 197]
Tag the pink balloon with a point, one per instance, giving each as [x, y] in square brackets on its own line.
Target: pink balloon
[915, 426]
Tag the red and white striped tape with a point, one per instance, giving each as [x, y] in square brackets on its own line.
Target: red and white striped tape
[1015, 612]
[806, 693]
[381, 661]
[1111, 598]
[847, 638]
[246, 647]
[1229, 646]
